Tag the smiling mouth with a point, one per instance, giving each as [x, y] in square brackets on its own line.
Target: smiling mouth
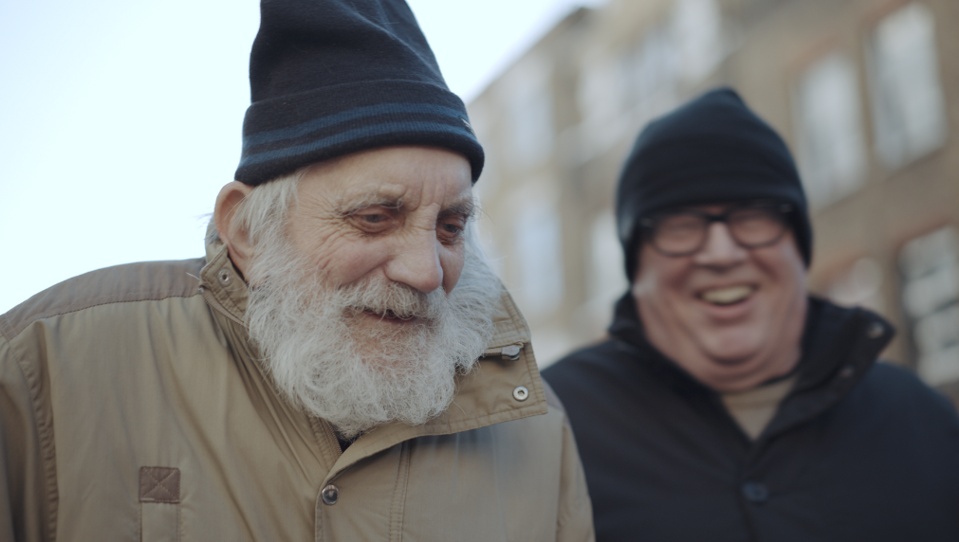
[727, 296]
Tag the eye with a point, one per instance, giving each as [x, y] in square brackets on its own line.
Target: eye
[451, 230]
[373, 220]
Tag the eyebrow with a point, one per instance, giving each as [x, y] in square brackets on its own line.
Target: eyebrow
[348, 206]
[464, 208]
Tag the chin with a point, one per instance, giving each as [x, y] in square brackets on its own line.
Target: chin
[732, 348]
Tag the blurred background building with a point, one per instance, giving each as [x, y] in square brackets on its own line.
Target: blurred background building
[865, 92]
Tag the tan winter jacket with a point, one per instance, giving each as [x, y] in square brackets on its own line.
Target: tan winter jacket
[132, 407]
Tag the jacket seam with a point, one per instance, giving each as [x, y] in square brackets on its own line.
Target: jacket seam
[399, 492]
[16, 331]
[566, 513]
[44, 437]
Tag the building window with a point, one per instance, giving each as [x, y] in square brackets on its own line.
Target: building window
[831, 148]
[860, 286]
[605, 280]
[697, 26]
[907, 99]
[530, 112]
[930, 299]
[685, 48]
[539, 247]
[650, 69]
[600, 92]
[607, 275]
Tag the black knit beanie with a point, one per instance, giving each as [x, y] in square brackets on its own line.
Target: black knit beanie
[711, 150]
[333, 77]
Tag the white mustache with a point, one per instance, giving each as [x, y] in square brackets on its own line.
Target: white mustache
[394, 300]
[358, 377]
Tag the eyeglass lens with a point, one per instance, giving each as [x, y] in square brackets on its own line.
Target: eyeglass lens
[685, 232]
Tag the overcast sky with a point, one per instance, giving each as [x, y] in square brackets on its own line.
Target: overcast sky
[120, 121]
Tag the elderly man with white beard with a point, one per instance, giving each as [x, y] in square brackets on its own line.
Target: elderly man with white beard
[342, 365]
[363, 333]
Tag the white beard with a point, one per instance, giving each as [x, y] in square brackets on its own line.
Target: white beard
[308, 333]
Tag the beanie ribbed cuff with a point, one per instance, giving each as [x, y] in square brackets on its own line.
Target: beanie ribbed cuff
[352, 117]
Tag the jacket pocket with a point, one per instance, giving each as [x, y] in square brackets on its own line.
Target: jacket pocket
[159, 504]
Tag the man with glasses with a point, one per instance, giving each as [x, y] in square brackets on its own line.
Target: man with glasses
[729, 404]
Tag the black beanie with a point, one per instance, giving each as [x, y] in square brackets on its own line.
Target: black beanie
[333, 77]
[711, 150]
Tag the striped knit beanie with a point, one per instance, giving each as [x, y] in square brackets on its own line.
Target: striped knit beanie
[333, 77]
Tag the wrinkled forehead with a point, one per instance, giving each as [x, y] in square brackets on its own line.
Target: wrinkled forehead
[393, 176]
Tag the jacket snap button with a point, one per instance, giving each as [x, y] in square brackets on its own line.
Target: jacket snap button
[223, 276]
[330, 494]
[875, 330]
[520, 393]
[755, 492]
[847, 371]
[511, 352]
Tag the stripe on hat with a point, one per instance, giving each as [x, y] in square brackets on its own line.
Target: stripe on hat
[321, 123]
[351, 135]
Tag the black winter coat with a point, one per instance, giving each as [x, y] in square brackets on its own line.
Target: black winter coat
[858, 451]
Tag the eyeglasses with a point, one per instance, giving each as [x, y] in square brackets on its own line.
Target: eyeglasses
[682, 233]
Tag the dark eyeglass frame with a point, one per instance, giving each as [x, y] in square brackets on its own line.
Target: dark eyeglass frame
[781, 211]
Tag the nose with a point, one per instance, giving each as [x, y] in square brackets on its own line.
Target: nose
[416, 263]
[720, 249]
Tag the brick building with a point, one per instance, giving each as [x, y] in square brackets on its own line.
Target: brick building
[864, 92]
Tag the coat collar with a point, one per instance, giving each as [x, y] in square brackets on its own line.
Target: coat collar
[484, 397]
[839, 345]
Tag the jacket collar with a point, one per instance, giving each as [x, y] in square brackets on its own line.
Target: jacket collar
[484, 397]
[839, 345]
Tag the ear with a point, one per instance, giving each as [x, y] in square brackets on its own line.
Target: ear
[236, 238]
